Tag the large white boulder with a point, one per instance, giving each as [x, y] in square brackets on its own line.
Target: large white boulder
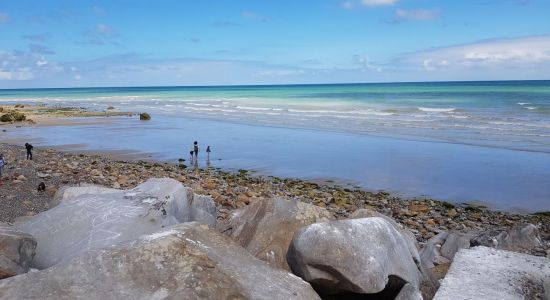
[95, 217]
[184, 261]
[491, 274]
[358, 256]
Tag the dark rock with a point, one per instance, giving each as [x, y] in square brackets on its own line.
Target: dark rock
[144, 117]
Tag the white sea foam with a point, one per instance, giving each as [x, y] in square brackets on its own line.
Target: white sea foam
[531, 107]
[523, 103]
[433, 109]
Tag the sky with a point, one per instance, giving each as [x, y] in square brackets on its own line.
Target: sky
[84, 43]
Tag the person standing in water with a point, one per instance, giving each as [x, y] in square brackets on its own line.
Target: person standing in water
[29, 150]
[196, 149]
[208, 156]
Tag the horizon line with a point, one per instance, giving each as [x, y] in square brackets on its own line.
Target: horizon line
[266, 85]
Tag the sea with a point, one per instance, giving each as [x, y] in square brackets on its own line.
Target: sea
[486, 142]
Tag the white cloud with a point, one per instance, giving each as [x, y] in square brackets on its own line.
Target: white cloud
[527, 52]
[365, 64]
[378, 2]
[4, 18]
[417, 14]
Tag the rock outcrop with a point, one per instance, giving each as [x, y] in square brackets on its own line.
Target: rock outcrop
[266, 227]
[353, 258]
[17, 250]
[185, 261]
[486, 273]
[94, 218]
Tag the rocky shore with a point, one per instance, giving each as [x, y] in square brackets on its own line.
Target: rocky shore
[425, 218]
[156, 230]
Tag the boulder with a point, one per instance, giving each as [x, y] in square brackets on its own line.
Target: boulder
[184, 261]
[7, 118]
[94, 217]
[144, 116]
[352, 258]
[17, 249]
[429, 283]
[266, 227]
[487, 273]
[519, 239]
[453, 243]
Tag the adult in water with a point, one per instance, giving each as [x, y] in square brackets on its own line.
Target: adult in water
[196, 149]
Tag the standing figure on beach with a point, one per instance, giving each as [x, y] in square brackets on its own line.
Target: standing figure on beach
[29, 150]
[191, 156]
[208, 156]
[196, 149]
[2, 164]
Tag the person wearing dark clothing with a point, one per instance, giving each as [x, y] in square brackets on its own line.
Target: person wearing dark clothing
[29, 150]
[196, 149]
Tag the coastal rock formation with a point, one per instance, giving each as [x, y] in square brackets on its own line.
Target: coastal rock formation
[266, 227]
[353, 257]
[94, 218]
[486, 273]
[17, 249]
[519, 239]
[185, 261]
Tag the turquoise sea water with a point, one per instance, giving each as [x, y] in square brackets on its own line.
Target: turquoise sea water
[460, 141]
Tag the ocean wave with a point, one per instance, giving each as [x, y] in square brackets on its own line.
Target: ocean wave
[531, 107]
[433, 109]
[523, 103]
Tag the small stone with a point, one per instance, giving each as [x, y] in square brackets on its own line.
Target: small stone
[452, 213]
[419, 208]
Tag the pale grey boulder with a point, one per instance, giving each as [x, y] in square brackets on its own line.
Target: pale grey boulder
[184, 261]
[522, 238]
[491, 274]
[454, 242]
[266, 227]
[86, 220]
[17, 250]
[430, 256]
[358, 256]
[429, 283]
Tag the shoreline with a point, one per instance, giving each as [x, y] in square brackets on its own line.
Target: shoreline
[233, 190]
[81, 126]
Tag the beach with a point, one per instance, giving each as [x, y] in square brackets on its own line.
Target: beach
[481, 142]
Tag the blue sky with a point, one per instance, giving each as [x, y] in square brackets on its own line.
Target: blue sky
[144, 43]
